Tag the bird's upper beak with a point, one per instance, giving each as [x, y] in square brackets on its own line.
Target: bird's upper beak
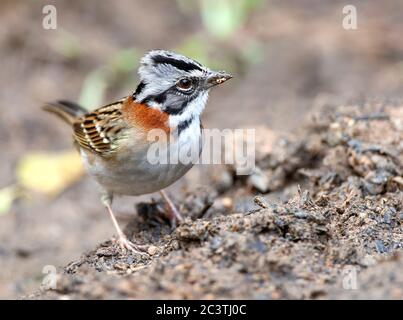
[217, 78]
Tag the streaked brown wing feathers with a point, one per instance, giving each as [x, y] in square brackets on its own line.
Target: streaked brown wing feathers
[99, 131]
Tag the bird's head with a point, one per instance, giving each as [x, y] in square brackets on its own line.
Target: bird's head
[175, 84]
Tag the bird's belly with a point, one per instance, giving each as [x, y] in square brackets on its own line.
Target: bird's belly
[133, 174]
[147, 178]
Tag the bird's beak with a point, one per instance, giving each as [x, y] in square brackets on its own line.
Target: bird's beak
[217, 78]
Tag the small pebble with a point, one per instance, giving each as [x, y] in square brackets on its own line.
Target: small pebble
[152, 250]
[380, 247]
[261, 202]
[363, 215]
[175, 245]
[120, 266]
[386, 218]
[226, 202]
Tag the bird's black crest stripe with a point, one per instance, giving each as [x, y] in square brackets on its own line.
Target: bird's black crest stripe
[139, 89]
[179, 64]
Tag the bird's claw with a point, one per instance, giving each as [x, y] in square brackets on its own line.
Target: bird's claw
[127, 245]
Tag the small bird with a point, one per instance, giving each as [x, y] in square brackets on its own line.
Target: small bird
[112, 140]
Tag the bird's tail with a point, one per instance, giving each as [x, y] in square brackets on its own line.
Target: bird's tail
[65, 110]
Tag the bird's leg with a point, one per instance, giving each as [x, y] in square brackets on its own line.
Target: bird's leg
[173, 214]
[124, 243]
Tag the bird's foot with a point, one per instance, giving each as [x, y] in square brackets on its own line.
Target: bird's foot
[124, 243]
[127, 245]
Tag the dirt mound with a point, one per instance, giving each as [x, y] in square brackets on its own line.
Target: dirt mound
[327, 224]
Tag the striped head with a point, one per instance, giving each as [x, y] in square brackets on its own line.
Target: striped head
[176, 85]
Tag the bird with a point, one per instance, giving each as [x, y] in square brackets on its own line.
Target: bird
[112, 140]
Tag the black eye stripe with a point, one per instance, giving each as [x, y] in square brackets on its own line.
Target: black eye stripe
[159, 98]
[177, 110]
[179, 64]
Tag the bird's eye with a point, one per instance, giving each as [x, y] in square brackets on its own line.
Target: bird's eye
[184, 84]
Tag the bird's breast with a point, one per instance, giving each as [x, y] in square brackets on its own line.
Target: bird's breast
[146, 166]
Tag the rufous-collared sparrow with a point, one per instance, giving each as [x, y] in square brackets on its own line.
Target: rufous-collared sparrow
[112, 140]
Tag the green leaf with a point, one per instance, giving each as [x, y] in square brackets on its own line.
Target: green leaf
[222, 18]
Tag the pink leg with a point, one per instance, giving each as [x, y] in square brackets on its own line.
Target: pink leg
[173, 214]
[122, 239]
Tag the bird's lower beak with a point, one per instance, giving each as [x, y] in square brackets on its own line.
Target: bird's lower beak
[217, 78]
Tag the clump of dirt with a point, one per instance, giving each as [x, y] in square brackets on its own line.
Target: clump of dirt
[340, 229]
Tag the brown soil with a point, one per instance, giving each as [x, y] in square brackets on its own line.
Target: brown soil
[347, 216]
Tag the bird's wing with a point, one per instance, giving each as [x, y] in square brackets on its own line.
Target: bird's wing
[101, 130]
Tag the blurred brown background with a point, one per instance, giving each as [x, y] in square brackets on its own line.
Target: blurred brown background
[288, 56]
